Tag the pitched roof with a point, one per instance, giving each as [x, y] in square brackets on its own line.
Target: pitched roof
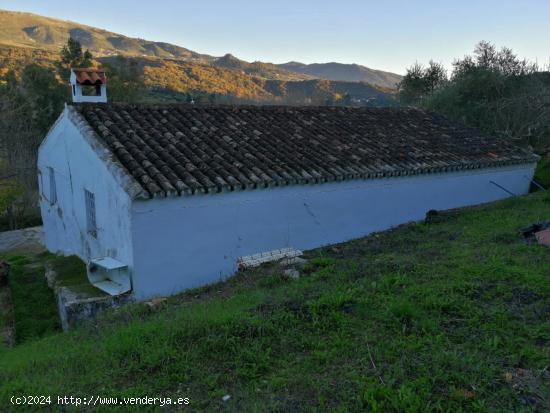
[185, 149]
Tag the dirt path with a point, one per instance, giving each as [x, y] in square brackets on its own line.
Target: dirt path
[28, 238]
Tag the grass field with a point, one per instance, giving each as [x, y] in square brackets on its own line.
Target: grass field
[34, 308]
[542, 174]
[32, 302]
[448, 316]
[6, 317]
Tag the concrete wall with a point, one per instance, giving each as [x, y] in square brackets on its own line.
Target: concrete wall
[77, 166]
[185, 242]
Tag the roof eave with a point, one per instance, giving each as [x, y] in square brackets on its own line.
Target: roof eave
[126, 181]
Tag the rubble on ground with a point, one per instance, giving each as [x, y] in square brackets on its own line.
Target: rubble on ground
[295, 261]
[291, 267]
[251, 261]
[156, 303]
[288, 259]
[529, 386]
[539, 232]
[291, 273]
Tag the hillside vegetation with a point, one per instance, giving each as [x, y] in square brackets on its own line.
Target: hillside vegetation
[37, 32]
[227, 84]
[449, 315]
[492, 90]
[168, 79]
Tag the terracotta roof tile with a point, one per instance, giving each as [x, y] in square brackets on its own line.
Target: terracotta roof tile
[90, 76]
[185, 149]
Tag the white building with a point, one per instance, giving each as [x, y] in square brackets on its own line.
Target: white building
[159, 199]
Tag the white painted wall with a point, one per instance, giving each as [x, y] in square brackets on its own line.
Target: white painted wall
[185, 242]
[78, 165]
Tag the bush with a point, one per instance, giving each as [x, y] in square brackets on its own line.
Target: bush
[493, 90]
[542, 174]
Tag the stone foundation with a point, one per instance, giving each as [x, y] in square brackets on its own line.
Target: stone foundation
[77, 305]
[75, 310]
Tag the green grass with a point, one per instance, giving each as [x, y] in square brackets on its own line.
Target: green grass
[542, 174]
[70, 272]
[5, 308]
[33, 302]
[6, 316]
[427, 317]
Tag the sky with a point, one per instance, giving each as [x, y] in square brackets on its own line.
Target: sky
[387, 35]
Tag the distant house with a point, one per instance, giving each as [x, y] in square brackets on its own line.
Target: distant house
[159, 199]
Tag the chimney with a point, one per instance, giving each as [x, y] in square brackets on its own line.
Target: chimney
[89, 85]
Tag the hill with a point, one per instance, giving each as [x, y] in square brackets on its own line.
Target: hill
[187, 77]
[345, 72]
[260, 69]
[33, 31]
[26, 30]
[170, 80]
[448, 315]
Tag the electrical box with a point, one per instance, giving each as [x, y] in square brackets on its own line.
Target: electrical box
[109, 275]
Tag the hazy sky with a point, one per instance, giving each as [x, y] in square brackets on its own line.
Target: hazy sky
[388, 35]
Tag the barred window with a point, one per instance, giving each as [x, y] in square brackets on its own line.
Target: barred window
[90, 213]
[53, 189]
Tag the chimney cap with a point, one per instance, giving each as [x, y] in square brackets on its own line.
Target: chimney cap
[89, 76]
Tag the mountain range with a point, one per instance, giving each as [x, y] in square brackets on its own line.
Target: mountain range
[42, 37]
[346, 72]
[30, 30]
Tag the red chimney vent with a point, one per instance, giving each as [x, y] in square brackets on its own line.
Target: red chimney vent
[90, 76]
[89, 85]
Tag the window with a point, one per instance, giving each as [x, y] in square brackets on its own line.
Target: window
[90, 213]
[53, 189]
